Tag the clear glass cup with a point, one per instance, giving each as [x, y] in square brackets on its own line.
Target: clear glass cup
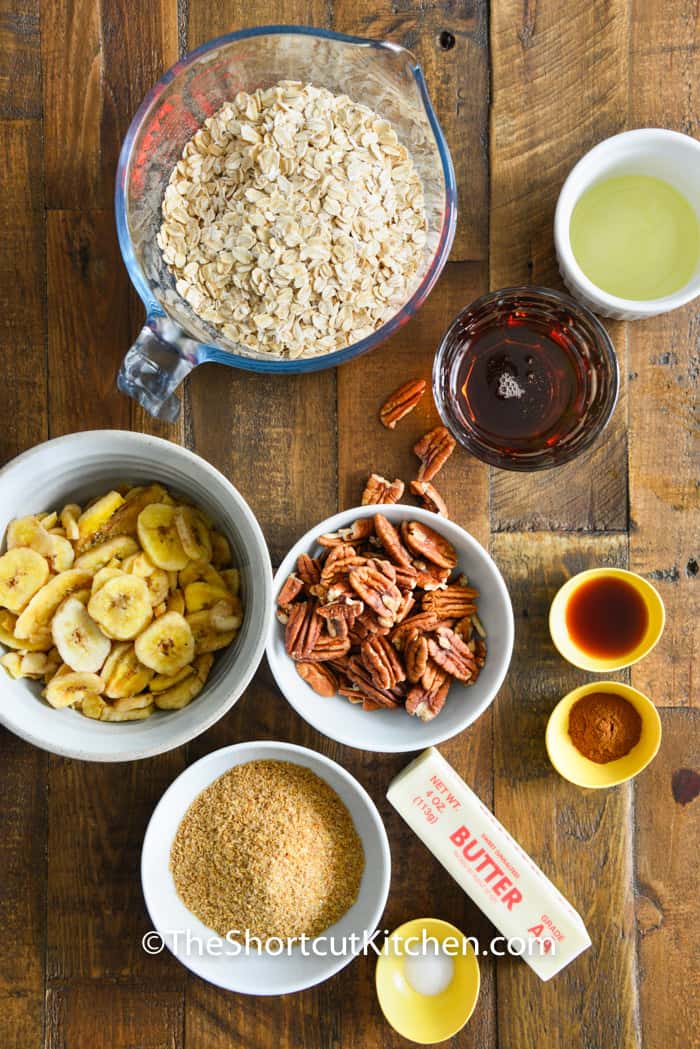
[383, 76]
[525, 378]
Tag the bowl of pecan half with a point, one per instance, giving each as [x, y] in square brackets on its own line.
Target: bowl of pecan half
[394, 628]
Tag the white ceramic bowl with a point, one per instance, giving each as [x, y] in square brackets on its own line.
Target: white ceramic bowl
[80, 466]
[261, 973]
[667, 155]
[393, 731]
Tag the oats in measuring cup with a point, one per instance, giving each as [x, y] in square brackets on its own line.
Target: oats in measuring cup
[294, 222]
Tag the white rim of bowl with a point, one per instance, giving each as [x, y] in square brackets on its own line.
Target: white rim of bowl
[307, 541]
[280, 747]
[178, 739]
[562, 218]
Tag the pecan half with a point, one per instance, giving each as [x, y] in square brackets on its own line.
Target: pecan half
[340, 616]
[401, 402]
[308, 570]
[452, 654]
[430, 497]
[327, 648]
[391, 541]
[434, 449]
[362, 678]
[426, 703]
[429, 544]
[378, 591]
[382, 662]
[370, 623]
[302, 630]
[291, 589]
[407, 603]
[423, 623]
[319, 677]
[415, 654]
[430, 577]
[352, 693]
[379, 490]
[358, 531]
[338, 564]
[452, 602]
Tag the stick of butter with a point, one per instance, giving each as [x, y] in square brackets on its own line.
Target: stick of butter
[488, 863]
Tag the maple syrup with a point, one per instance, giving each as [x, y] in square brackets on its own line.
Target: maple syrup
[606, 617]
[525, 378]
[521, 385]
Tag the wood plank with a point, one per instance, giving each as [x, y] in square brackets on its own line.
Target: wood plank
[23, 769]
[559, 81]
[21, 1021]
[365, 446]
[113, 1017]
[88, 322]
[20, 59]
[450, 42]
[96, 915]
[114, 58]
[668, 823]
[665, 389]
[22, 289]
[581, 839]
[70, 41]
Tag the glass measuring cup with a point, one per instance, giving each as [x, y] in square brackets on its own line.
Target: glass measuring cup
[381, 75]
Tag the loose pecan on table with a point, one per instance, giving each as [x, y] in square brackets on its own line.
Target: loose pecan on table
[401, 402]
[430, 497]
[434, 449]
[379, 490]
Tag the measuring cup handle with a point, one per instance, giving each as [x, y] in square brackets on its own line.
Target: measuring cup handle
[156, 364]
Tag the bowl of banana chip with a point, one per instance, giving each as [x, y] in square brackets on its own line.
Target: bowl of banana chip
[135, 595]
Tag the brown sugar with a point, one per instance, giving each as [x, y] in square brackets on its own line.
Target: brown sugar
[270, 848]
[604, 726]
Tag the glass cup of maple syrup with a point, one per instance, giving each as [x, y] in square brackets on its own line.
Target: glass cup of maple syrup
[526, 378]
[606, 619]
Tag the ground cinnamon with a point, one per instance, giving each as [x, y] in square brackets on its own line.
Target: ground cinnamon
[604, 726]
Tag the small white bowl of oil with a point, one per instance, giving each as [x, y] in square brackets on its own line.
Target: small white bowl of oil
[627, 224]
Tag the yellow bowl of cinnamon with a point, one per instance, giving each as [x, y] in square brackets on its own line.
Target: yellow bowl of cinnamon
[602, 734]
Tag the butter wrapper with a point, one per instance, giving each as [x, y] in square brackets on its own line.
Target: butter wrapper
[488, 864]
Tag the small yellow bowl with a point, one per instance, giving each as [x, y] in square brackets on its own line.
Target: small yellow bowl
[571, 763]
[422, 1018]
[595, 664]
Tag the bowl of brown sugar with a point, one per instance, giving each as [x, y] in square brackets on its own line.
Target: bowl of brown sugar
[602, 734]
[265, 868]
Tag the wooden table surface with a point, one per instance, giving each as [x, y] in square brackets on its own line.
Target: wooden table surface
[522, 89]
